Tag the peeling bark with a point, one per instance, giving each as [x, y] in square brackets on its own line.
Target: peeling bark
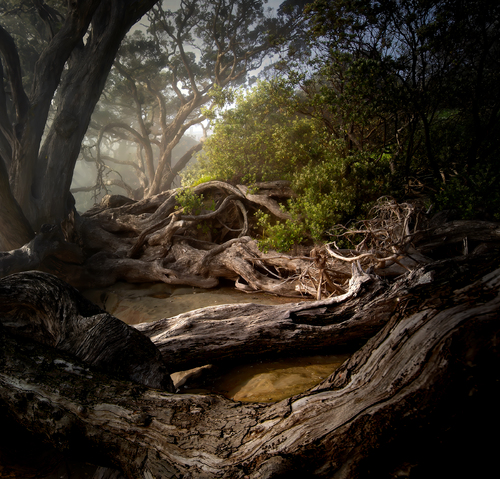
[423, 378]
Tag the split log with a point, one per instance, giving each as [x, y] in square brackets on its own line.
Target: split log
[421, 389]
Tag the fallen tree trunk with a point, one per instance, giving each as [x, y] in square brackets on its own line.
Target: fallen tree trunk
[411, 395]
[229, 333]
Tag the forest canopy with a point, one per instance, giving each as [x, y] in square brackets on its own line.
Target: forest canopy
[366, 154]
[380, 98]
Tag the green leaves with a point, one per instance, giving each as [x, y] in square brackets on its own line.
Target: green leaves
[191, 202]
[268, 136]
[260, 139]
[394, 94]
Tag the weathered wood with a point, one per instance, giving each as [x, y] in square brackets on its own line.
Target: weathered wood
[427, 372]
[156, 240]
[49, 242]
[220, 334]
[43, 308]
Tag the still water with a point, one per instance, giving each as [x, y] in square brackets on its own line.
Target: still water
[259, 382]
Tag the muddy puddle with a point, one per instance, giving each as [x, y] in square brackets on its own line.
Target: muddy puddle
[266, 381]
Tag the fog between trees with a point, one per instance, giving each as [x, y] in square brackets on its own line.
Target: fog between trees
[370, 98]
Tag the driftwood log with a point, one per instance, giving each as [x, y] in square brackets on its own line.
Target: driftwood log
[417, 400]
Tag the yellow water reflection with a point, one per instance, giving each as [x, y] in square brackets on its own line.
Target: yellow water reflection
[275, 380]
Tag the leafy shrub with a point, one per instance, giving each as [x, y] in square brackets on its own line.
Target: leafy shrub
[190, 201]
[473, 196]
[264, 138]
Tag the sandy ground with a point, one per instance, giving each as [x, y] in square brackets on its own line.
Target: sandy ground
[139, 303]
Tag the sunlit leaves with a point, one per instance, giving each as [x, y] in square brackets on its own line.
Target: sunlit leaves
[262, 138]
[266, 137]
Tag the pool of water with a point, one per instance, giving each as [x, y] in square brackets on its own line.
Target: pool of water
[140, 303]
[23, 456]
[268, 381]
[259, 382]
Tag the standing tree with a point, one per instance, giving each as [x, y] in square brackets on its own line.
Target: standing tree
[82, 41]
[427, 73]
[390, 102]
[162, 80]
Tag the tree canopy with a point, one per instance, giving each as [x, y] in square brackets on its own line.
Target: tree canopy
[164, 76]
[389, 98]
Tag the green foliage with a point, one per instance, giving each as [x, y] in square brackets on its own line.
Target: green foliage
[267, 137]
[279, 236]
[336, 190]
[331, 192]
[429, 70]
[473, 195]
[195, 182]
[395, 93]
[190, 201]
[257, 140]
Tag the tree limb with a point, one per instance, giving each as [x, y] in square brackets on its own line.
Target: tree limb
[14, 74]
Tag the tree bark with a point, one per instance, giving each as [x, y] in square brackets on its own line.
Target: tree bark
[410, 396]
[42, 168]
[81, 87]
[68, 322]
[15, 230]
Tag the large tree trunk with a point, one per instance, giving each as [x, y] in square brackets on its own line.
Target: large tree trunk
[75, 64]
[80, 90]
[419, 395]
[16, 230]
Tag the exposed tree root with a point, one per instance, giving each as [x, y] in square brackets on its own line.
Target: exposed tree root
[160, 239]
[425, 373]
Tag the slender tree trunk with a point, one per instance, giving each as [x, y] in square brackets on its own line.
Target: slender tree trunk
[180, 165]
